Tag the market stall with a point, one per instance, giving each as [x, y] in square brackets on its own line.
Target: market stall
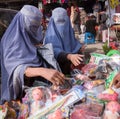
[88, 93]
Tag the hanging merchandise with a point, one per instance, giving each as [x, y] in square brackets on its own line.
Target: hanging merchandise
[116, 18]
[54, 0]
[62, 1]
[48, 1]
[59, 1]
[40, 6]
[114, 3]
[44, 2]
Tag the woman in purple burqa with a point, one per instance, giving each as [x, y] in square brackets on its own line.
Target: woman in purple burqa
[19, 60]
[66, 47]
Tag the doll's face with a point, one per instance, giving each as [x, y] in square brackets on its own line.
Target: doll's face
[113, 106]
[37, 94]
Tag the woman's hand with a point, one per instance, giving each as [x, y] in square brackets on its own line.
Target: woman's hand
[54, 76]
[116, 81]
[76, 59]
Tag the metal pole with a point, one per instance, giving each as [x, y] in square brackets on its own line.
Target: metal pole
[108, 37]
[109, 25]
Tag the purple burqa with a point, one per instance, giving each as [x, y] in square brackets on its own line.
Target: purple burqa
[18, 50]
[60, 33]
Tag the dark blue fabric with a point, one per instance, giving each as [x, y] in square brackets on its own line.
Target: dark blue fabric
[18, 48]
[61, 34]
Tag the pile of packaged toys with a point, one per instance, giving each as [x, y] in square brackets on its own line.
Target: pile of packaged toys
[87, 94]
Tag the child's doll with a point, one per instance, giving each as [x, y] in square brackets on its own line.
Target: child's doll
[37, 100]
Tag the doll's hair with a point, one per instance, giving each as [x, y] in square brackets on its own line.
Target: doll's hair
[45, 90]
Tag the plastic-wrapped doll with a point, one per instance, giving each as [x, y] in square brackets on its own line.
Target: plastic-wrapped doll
[56, 115]
[112, 110]
[37, 103]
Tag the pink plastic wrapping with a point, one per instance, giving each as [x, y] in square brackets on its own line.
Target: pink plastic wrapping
[88, 68]
[112, 110]
[87, 111]
[108, 97]
[56, 115]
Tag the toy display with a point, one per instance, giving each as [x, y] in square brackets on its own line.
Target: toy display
[88, 93]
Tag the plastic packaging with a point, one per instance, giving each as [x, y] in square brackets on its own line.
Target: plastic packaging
[96, 57]
[112, 110]
[108, 95]
[72, 96]
[87, 111]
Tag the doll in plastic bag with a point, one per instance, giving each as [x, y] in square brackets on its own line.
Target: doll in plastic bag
[56, 115]
[37, 102]
[112, 110]
[36, 98]
[39, 98]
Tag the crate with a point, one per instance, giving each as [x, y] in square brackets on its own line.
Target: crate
[89, 38]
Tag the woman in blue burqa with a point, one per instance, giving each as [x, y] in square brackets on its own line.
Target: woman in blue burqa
[66, 47]
[20, 63]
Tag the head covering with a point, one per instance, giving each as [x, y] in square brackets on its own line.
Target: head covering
[61, 34]
[18, 50]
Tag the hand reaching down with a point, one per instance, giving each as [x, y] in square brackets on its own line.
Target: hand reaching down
[76, 59]
[54, 76]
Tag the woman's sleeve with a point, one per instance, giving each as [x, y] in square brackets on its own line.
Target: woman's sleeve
[62, 57]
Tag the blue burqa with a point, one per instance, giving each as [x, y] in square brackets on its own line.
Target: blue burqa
[18, 50]
[61, 34]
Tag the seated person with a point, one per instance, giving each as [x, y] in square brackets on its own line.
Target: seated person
[66, 47]
[20, 64]
[90, 25]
